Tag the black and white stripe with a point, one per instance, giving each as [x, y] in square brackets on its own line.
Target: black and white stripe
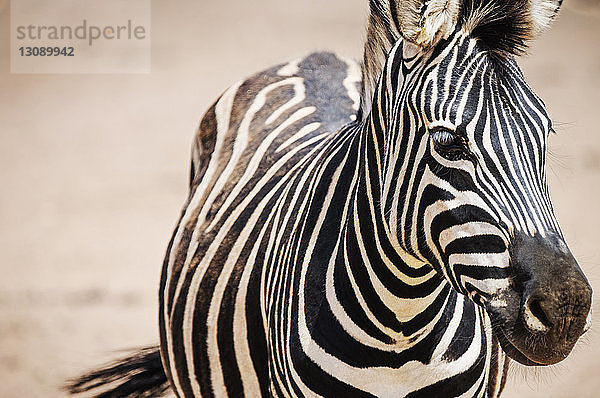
[345, 244]
[323, 256]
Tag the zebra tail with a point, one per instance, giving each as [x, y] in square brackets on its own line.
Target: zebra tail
[140, 374]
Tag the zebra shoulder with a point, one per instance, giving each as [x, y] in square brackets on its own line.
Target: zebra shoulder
[322, 80]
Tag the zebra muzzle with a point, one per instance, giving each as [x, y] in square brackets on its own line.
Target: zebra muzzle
[549, 308]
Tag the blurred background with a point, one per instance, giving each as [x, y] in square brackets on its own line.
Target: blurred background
[93, 173]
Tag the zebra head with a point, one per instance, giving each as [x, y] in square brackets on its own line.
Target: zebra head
[463, 172]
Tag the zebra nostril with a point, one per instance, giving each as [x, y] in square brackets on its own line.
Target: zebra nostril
[535, 316]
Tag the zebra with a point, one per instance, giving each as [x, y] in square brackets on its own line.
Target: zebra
[381, 229]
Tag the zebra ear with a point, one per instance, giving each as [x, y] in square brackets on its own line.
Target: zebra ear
[423, 22]
[543, 12]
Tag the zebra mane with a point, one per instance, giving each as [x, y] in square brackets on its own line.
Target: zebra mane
[504, 27]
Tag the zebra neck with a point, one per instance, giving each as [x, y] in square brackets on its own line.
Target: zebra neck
[401, 301]
[400, 297]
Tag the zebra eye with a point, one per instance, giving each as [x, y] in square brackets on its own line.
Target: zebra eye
[447, 142]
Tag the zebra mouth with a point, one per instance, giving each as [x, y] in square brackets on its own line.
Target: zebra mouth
[531, 349]
[513, 352]
[520, 344]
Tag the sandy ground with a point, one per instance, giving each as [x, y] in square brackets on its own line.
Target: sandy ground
[93, 172]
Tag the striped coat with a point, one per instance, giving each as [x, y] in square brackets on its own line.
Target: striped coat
[374, 230]
[273, 258]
